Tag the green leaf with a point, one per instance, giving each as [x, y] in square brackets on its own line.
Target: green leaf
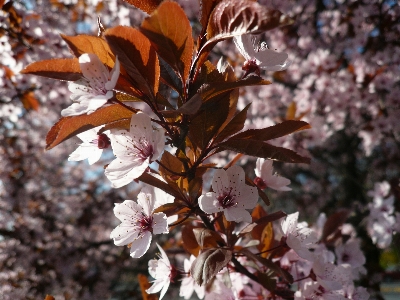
[137, 56]
[208, 264]
[169, 30]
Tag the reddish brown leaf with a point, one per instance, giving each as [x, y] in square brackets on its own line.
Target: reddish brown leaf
[151, 180]
[144, 285]
[170, 32]
[206, 7]
[29, 101]
[189, 240]
[146, 5]
[209, 263]
[237, 17]
[207, 238]
[58, 68]
[257, 148]
[273, 132]
[49, 297]
[81, 44]
[235, 125]
[137, 56]
[170, 165]
[209, 120]
[334, 222]
[68, 127]
[210, 90]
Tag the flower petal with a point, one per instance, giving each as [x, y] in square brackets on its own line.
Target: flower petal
[207, 203]
[237, 214]
[160, 224]
[140, 245]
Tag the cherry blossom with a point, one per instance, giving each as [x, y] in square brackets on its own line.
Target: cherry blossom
[134, 150]
[188, 284]
[265, 177]
[258, 56]
[231, 195]
[139, 222]
[95, 89]
[91, 147]
[163, 272]
[298, 237]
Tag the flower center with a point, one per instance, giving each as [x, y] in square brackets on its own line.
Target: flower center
[260, 183]
[345, 257]
[103, 141]
[146, 223]
[226, 200]
[145, 149]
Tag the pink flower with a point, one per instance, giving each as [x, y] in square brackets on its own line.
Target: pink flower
[231, 195]
[163, 272]
[91, 147]
[139, 222]
[94, 90]
[298, 236]
[258, 56]
[134, 150]
[265, 177]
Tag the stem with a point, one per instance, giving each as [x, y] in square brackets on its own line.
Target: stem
[243, 270]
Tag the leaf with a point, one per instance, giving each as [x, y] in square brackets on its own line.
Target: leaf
[83, 43]
[192, 106]
[189, 241]
[29, 101]
[235, 125]
[237, 17]
[137, 56]
[169, 30]
[334, 222]
[151, 180]
[146, 5]
[68, 127]
[49, 297]
[256, 148]
[269, 264]
[207, 238]
[210, 90]
[170, 165]
[144, 285]
[208, 264]
[273, 132]
[208, 121]
[206, 7]
[58, 68]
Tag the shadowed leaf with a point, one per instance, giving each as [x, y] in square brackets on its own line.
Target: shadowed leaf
[334, 222]
[189, 240]
[68, 127]
[207, 238]
[170, 32]
[256, 148]
[208, 264]
[235, 125]
[273, 132]
[58, 68]
[137, 56]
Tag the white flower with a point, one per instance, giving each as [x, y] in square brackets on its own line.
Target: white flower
[134, 150]
[163, 272]
[258, 55]
[231, 195]
[91, 147]
[299, 237]
[265, 177]
[139, 222]
[94, 90]
[350, 253]
[188, 284]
